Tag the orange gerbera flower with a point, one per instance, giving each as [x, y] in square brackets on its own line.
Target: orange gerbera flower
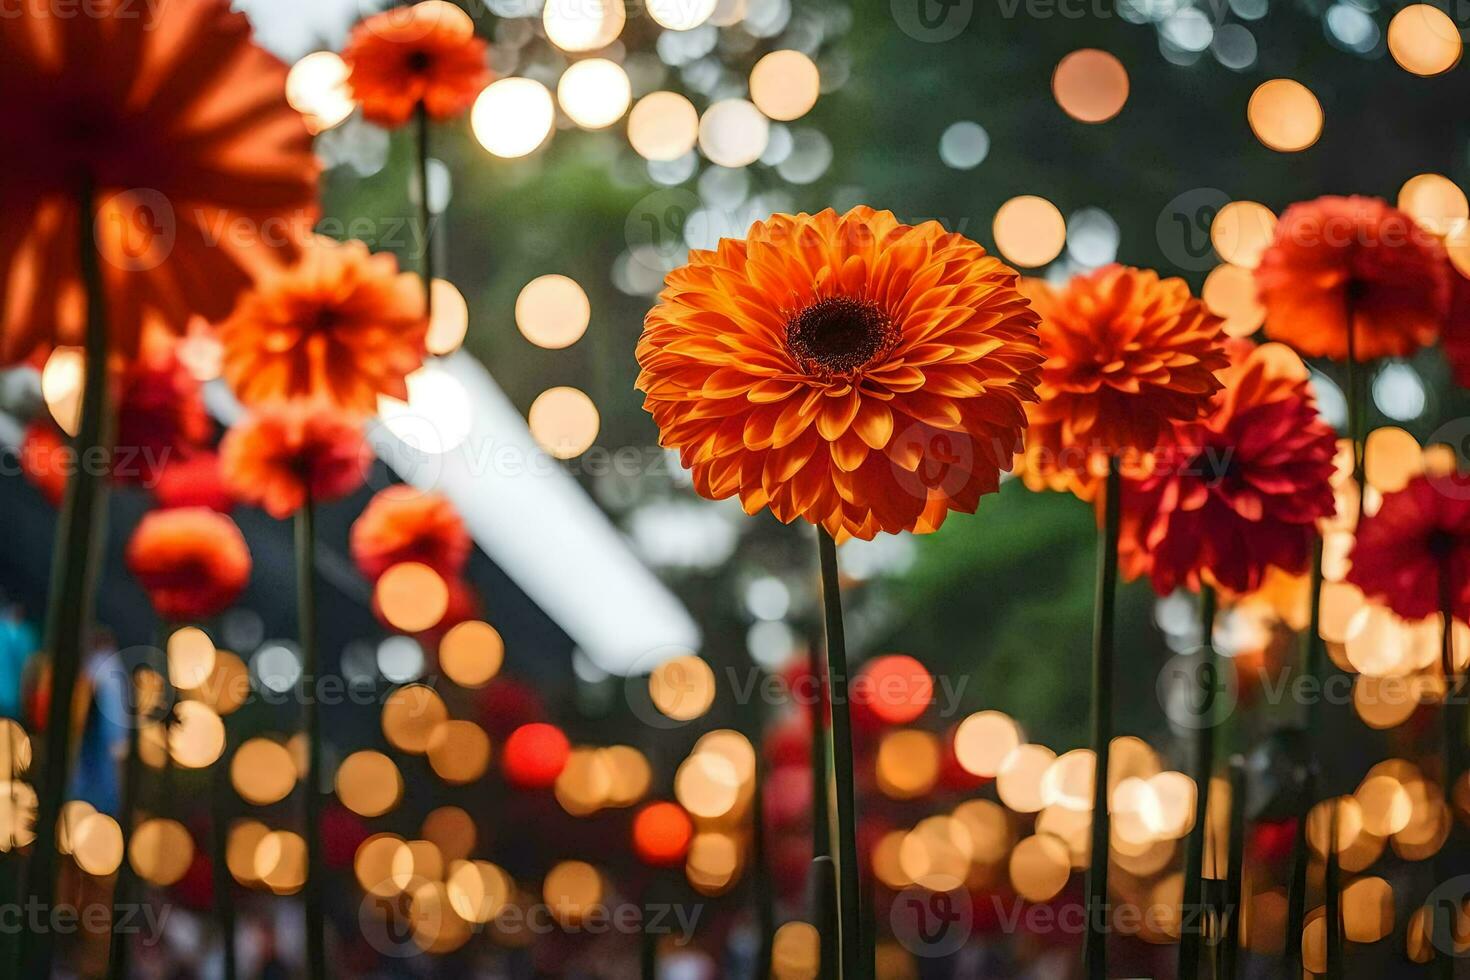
[179, 124]
[1239, 491]
[1127, 355]
[403, 524]
[850, 370]
[342, 324]
[192, 562]
[1340, 254]
[283, 454]
[426, 54]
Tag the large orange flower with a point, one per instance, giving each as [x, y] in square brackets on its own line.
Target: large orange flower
[426, 54]
[1337, 255]
[179, 125]
[284, 454]
[341, 324]
[1239, 491]
[404, 524]
[192, 561]
[1127, 355]
[850, 370]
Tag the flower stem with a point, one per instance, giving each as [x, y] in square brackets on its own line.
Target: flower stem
[1095, 945]
[1452, 731]
[79, 538]
[1229, 946]
[852, 962]
[1192, 916]
[426, 211]
[822, 880]
[316, 950]
[765, 908]
[1296, 909]
[221, 801]
[125, 888]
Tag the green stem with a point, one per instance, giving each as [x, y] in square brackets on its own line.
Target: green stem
[124, 892]
[316, 940]
[79, 539]
[426, 212]
[1193, 918]
[1312, 660]
[823, 881]
[765, 903]
[1095, 946]
[853, 962]
[1229, 946]
[221, 802]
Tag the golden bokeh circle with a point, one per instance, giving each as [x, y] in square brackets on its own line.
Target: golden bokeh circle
[1285, 115]
[1090, 85]
[471, 653]
[368, 783]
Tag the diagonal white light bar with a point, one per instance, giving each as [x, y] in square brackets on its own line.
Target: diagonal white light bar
[532, 518]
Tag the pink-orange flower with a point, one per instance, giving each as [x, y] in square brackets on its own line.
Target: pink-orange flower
[341, 325]
[193, 562]
[1337, 256]
[1127, 355]
[401, 524]
[1416, 543]
[178, 123]
[1238, 492]
[425, 54]
[282, 455]
[160, 415]
[849, 370]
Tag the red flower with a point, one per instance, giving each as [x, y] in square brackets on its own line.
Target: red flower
[1337, 254]
[46, 460]
[1457, 329]
[1239, 491]
[1419, 534]
[404, 524]
[193, 562]
[160, 416]
[285, 453]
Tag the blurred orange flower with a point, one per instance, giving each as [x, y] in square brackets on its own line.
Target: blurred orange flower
[342, 324]
[1416, 543]
[283, 454]
[1127, 355]
[423, 54]
[1238, 492]
[402, 523]
[201, 172]
[192, 562]
[1336, 254]
[850, 370]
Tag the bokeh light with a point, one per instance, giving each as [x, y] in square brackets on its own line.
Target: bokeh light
[1285, 115]
[785, 84]
[896, 688]
[411, 596]
[513, 116]
[1230, 293]
[368, 783]
[680, 15]
[984, 740]
[553, 311]
[683, 688]
[262, 771]
[1436, 202]
[471, 653]
[661, 833]
[1090, 85]
[1241, 232]
[534, 755]
[583, 25]
[733, 133]
[594, 93]
[317, 88]
[450, 321]
[160, 851]
[1029, 231]
[564, 422]
[1424, 40]
[663, 126]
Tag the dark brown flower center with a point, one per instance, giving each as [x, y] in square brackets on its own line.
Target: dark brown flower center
[419, 62]
[840, 335]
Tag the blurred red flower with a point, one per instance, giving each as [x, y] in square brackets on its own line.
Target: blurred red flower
[1417, 542]
[285, 453]
[193, 481]
[1339, 254]
[1238, 491]
[426, 54]
[160, 415]
[46, 459]
[403, 524]
[341, 324]
[201, 172]
[192, 561]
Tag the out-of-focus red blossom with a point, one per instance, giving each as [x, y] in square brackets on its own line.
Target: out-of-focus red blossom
[1418, 535]
[193, 481]
[1240, 490]
[788, 796]
[806, 689]
[193, 562]
[404, 524]
[1272, 841]
[1336, 254]
[342, 833]
[46, 459]
[160, 414]
[791, 861]
[283, 454]
[789, 741]
[195, 890]
[506, 704]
